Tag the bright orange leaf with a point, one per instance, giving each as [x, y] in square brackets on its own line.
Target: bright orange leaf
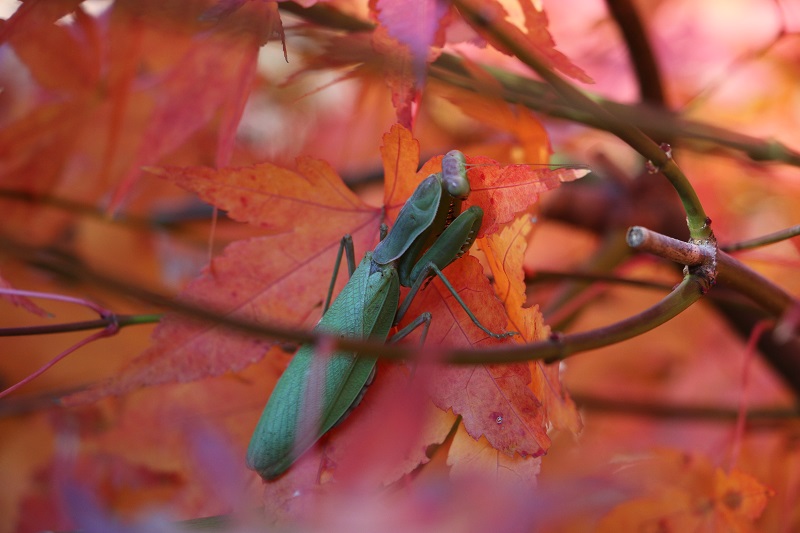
[682, 492]
[505, 251]
[479, 459]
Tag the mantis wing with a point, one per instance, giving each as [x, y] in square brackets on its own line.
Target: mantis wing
[315, 392]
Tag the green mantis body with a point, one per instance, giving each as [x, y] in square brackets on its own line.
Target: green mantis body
[316, 392]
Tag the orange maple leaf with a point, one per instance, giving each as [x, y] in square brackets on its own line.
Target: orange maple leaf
[280, 277]
[536, 35]
[501, 402]
[682, 492]
[109, 94]
[479, 459]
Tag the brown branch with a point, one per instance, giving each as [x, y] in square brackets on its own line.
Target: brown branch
[685, 253]
[639, 49]
[761, 417]
[729, 271]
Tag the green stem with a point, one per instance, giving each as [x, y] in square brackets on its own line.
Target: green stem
[655, 122]
[121, 321]
[509, 37]
[560, 347]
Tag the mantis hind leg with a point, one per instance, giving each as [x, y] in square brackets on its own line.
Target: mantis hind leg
[345, 245]
[423, 320]
[431, 270]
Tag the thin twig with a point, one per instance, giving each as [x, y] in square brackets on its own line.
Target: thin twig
[708, 413]
[108, 331]
[684, 253]
[541, 276]
[764, 240]
[67, 327]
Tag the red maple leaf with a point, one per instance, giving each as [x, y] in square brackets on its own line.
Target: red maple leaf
[281, 278]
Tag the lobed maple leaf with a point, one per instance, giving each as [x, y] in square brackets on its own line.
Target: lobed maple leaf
[504, 251]
[536, 36]
[414, 24]
[280, 277]
[111, 93]
[501, 402]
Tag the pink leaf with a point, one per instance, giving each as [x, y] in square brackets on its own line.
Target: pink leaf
[414, 24]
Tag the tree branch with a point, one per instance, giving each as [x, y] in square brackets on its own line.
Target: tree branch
[654, 121]
[553, 349]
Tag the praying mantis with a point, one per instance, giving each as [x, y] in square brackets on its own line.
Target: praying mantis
[317, 392]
